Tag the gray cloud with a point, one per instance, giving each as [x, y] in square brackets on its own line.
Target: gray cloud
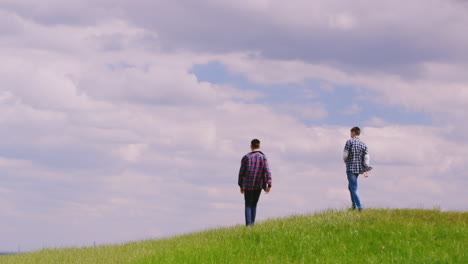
[54, 12]
[387, 35]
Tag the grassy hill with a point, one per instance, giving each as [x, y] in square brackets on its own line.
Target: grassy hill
[372, 236]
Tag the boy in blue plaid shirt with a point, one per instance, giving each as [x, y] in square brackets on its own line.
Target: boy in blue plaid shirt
[357, 158]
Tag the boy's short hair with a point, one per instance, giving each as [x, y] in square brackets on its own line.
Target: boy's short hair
[356, 131]
[255, 143]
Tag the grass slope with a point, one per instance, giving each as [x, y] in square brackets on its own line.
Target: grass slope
[372, 236]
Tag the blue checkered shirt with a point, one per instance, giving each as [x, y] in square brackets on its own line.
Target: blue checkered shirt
[357, 151]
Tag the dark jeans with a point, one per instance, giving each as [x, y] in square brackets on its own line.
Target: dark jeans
[251, 200]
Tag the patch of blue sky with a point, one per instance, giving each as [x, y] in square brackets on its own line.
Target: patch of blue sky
[351, 106]
[120, 65]
[345, 105]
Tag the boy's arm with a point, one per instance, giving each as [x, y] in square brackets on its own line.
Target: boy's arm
[240, 181]
[345, 155]
[267, 174]
[367, 159]
[347, 148]
[367, 166]
[366, 156]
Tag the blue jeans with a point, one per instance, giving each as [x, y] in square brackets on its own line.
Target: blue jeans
[353, 186]
[251, 200]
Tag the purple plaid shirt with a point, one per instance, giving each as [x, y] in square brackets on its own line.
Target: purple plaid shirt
[254, 173]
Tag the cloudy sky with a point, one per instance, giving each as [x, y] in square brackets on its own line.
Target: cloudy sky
[123, 120]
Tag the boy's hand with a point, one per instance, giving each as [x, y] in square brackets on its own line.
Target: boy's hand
[366, 174]
[268, 189]
[242, 190]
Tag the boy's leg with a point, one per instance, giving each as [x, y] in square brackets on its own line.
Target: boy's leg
[353, 186]
[255, 198]
[249, 207]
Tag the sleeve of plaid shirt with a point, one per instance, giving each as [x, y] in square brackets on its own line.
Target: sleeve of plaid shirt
[346, 151]
[366, 161]
[266, 174]
[242, 172]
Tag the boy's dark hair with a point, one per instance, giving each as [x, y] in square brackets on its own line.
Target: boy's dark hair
[255, 143]
[356, 130]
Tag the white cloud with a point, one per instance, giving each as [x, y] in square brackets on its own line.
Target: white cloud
[306, 112]
[12, 163]
[377, 122]
[353, 109]
[342, 21]
[4, 190]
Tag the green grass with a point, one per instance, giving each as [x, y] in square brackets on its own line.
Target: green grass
[372, 236]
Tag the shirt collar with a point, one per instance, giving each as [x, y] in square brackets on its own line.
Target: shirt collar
[257, 151]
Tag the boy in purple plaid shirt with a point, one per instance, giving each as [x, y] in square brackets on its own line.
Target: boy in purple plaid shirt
[356, 156]
[254, 175]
